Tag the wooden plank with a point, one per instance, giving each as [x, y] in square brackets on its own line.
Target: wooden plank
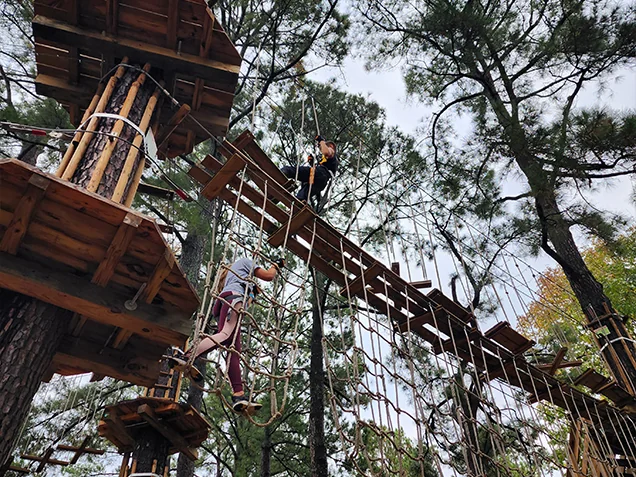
[356, 286]
[199, 175]
[563, 365]
[224, 75]
[117, 249]
[159, 274]
[121, 338]
[173, 123]
[223, 177]
[155, 191]
[105, 305]
[166, 430]
[295, 224]
[422, 284]
[557, 360]
[173, 22]
[19, 224]
[592, 380]
[510, 339]
[113, 426]
[89, 356]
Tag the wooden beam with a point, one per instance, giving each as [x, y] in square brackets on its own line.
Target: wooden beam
[117, 249]
[159, 274]
[155, 191]
[296, 223]
[355, 287]
[563, 365]
[172, 124]
[224, 75]
[208, 31]
[164, 428]
[113, 426]
[422, 284]
[105, 305]
[121, 339]
[112, 16]
[80, 450]
[45, 459]
[557, 361]
[19, 224]
[173, 24]
[223, 177]
[88, 356]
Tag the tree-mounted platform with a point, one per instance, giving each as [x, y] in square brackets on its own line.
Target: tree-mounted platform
[179, 423]
[78, 42]
[436, 318]
[79, 251]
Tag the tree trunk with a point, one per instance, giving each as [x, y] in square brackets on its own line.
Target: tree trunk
[31, 333]
[266, 452]
[618, 348]
[620, 353]
[317, 447]
[151, 452]
[30, 152]
[192, 255]
[32, 330]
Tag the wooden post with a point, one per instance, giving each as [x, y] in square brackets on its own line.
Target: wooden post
[78, 135]
[133, 153]
[79, 151]
[113, 141]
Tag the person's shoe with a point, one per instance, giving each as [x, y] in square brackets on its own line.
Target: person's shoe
[177, 360]
[243, 404]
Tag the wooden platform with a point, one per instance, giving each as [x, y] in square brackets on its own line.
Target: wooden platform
[78, 42]
[79, 251]
[434, 317]
[179, 423]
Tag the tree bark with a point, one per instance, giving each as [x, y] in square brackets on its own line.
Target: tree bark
[32, 330]
[266, 452]
[151, 452]
[192, 255]
[317, 446]
[31, 333]
[618, 348]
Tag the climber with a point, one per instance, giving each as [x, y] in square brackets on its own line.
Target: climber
[314, 178]
[236, 294]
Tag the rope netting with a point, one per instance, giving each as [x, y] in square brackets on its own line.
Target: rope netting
[398, 406]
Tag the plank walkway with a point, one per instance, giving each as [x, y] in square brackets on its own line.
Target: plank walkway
[445, 324]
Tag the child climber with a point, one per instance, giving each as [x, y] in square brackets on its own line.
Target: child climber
[236, 295]
[325, 170]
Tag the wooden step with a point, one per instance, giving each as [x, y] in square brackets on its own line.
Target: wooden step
[510, 339]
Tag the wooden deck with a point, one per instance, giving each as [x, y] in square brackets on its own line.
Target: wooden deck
[180, 424]
[80, 251]
[78, 42]
[434, 317]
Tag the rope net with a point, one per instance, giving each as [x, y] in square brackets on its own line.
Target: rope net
[400, 406]
[421, 396]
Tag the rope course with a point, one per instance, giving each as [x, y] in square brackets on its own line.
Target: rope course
[414, 386]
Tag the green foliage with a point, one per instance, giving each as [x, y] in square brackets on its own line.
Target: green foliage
[557, 320]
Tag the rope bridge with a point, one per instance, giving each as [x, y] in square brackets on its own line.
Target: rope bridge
[414, 385]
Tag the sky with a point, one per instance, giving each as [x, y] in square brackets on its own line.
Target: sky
[388, 90]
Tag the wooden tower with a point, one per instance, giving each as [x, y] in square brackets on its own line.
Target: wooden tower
[103, 289]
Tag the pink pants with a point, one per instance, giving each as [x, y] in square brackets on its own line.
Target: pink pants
[229, 333]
